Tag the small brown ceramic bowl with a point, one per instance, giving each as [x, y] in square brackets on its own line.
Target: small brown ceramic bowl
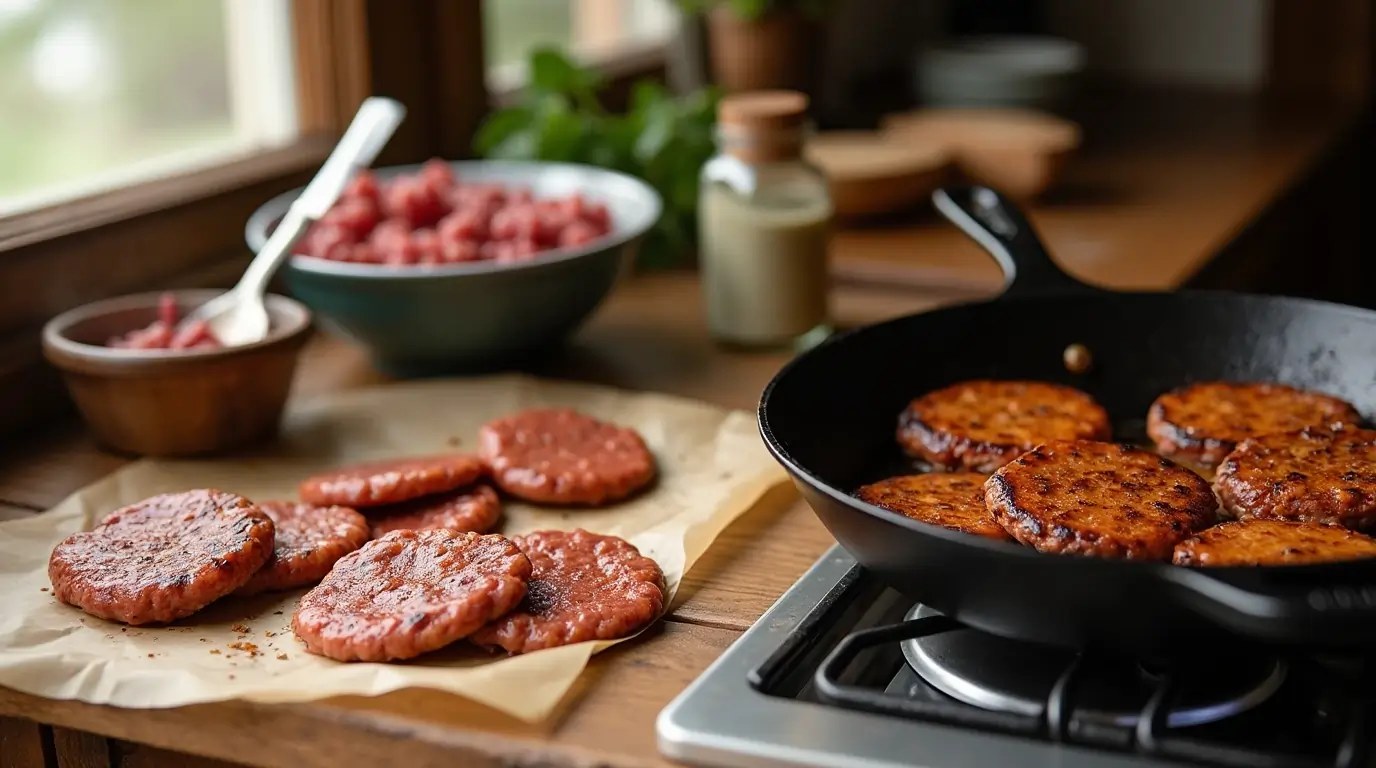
[175, 403]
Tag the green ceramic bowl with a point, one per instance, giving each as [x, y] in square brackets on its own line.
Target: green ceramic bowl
[423, 320]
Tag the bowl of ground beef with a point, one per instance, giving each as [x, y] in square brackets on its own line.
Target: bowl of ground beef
[453, 266]
[150, 382]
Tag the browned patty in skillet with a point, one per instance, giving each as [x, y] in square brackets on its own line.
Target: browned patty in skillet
[1273, 542]
[1199, 424]
[982, 425]
[1312, 476]
[953, 500]
[1099, 499]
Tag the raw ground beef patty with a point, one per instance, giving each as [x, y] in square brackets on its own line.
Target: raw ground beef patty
[163, 558]
[560, 456]
[410, 592]
[376, 483]
[476, 509]
[309, 540]
[583, 586]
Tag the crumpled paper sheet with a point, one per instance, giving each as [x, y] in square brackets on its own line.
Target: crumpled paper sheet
[713, 468]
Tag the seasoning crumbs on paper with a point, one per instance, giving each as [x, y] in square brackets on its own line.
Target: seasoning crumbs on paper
[242, 629]
[42, 589]
[151, 655]
[276, 613]
[249, 648]
[281, 657]
[205, 639]
[231, 677]
[215, 651]
[269, 634]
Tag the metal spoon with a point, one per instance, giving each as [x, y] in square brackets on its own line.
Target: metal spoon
[238, 316]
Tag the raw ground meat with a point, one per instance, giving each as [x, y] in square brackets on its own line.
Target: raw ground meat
[309, 541]
[167, 332]
[476, 509]
[163, 558]
[411, 592]
[431, 217]
[583, 586]
[560, 456]
[376, 483]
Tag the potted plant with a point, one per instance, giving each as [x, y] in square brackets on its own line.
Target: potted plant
[760, 44]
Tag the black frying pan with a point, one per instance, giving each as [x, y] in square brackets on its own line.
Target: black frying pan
[830, 415]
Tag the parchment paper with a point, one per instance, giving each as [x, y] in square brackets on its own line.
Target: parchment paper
[713, 467]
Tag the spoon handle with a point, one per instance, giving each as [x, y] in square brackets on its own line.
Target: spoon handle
[372, 126]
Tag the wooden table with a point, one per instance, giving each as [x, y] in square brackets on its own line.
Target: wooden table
[650, 336]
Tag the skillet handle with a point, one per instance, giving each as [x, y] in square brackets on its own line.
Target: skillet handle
[1321, 611]
[991, 220]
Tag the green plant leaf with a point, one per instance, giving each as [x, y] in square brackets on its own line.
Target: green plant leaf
[561, 136]
[499, 127]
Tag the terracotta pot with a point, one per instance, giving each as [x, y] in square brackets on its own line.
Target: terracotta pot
[759, 54]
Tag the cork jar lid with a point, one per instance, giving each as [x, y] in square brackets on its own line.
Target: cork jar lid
[763, 110]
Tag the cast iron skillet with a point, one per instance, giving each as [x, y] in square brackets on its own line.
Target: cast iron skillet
[830, 417]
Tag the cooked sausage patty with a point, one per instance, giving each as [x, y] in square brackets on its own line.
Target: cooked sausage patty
[560, 456]
[1099, 499]
[1273, 542]
[410, 592]
[953, 500]
[308, 542]
[1199, 424]
[982, 425]
[163, 558]
[583, 586]
[376, 483]
[1313, 476]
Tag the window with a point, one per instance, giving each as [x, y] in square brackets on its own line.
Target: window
[597, 31]
[99, 94]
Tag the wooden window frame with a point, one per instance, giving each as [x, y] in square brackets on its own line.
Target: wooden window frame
[186, 230]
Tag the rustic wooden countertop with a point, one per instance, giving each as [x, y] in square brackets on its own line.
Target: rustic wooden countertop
[1155, 228]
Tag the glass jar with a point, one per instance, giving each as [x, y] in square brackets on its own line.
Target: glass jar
[764, 217]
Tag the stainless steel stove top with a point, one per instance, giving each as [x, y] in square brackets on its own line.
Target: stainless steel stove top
[842, 672]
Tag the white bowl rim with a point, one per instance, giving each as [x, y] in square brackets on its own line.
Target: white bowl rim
[257, 227]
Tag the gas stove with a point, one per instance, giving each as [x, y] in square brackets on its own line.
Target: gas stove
[844, 672]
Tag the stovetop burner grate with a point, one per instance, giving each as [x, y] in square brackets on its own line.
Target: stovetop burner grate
[1062, 718]
[822, 680]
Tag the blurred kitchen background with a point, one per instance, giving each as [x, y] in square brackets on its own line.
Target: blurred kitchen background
[1158, 143]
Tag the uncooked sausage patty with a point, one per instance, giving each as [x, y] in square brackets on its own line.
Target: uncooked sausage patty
[309, 541]
[1273, 542]
[953, 500]
[388, 482]
[1313, 476]
[582, 587]
[560, 456]
[982, 425]
[163, 558]
[1199, 424]
[476, 509]
[410, 592]
[1099, 499]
